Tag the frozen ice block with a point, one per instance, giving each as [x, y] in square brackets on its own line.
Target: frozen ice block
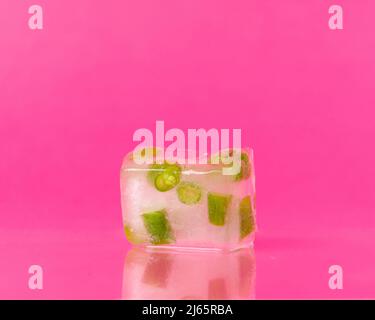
[182, 205]
[162, 275]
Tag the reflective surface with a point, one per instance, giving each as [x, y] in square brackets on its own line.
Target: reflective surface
[99, 264]
[188, 275]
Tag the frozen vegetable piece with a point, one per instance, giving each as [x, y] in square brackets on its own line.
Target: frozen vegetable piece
[158, 227]
[218, 205]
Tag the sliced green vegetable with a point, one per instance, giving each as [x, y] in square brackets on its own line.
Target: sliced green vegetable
[155, 170]
[189, 193]
[247, 222]
[158, 227]
[141, 153]
[218, 205]
[165, 182]
[164, 176]
[131, 235]
[245, 171]
[154, 151]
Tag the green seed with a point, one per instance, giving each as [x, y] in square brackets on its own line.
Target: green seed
[247, 222]
[189, 193]
[218, 205]
[158, 227]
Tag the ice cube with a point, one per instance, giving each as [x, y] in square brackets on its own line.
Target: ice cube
[188, 205]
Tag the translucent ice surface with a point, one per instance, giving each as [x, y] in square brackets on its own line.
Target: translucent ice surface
[188, 205]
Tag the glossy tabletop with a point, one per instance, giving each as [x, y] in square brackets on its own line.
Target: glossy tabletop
[101, 265]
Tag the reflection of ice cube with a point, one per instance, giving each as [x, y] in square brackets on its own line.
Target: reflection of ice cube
[159, 275]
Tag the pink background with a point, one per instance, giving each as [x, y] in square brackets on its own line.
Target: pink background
[72, 95]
